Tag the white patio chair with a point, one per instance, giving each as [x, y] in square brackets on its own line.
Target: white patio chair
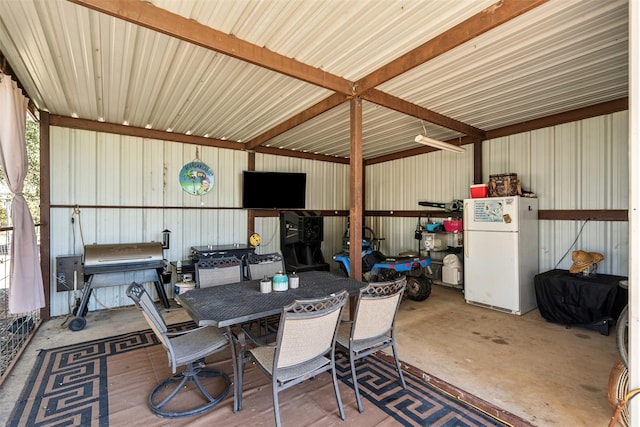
[184, 348]
[373, 326]
[305, 346]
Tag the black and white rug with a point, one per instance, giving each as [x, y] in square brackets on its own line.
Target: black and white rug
[102, 382]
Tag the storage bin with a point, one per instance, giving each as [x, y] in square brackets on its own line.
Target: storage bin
[181, 287]
[452, 225]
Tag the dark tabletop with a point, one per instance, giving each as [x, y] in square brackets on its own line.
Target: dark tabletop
[240, 302]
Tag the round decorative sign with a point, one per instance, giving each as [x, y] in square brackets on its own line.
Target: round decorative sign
[196, 178]
[255, 240]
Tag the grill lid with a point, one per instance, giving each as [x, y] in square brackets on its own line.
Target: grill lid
[122, 257]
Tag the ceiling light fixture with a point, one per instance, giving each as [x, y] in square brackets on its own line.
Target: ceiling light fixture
[438, 144]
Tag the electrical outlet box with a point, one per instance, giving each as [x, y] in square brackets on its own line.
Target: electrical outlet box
[69, 273]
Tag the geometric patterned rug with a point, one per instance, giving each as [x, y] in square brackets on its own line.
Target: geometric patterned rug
[71, 386]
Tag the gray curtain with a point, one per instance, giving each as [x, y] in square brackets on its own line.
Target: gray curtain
[26, 291]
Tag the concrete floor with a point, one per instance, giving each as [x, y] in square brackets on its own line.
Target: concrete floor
[545, 373]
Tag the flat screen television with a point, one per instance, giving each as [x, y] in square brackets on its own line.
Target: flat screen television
[273, 190]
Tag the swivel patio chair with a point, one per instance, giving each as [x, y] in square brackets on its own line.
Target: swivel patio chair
[305, 345]
[187, 348]
[218, 271]
[373, 326]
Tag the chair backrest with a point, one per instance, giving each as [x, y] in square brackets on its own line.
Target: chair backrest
[376, 309]
[260, 265]
[218, 271]
[143, 300]
[308, 329]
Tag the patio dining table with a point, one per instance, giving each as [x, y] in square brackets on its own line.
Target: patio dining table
[226, 306]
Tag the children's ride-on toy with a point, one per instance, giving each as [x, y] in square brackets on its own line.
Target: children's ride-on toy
[377, 267]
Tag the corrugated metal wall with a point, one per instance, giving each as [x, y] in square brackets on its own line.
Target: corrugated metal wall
[440, 176]
[580, 165]
[327, 189]
[105, 172]
[109, 171]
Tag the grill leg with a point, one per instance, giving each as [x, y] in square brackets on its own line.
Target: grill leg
[79, 322]
[162, 293]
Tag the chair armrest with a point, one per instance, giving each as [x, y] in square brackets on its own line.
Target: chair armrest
[255, 340]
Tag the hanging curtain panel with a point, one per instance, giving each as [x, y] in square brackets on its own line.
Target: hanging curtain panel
[26, 291]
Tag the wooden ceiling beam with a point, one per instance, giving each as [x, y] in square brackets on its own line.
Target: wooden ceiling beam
[149, 16]
[302, 155]
[311, 112]
[154, 18]
[406, 107]
[610, 107]
[493, 16]
[601, 109]
[117, 129]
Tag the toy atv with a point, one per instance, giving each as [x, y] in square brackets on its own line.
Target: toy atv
[377, 267]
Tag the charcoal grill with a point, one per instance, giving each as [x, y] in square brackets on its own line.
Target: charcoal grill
[119, 264]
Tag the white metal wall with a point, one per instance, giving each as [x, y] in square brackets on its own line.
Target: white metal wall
[327, 189]
[579, 165]
[96, 169]
[109, 171]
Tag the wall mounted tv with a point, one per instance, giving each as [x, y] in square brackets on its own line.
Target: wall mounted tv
[273, 190]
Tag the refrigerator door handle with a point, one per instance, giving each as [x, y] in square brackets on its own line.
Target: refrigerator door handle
[465, 210]
[466, 244]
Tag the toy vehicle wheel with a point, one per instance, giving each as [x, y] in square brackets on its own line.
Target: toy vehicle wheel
[77, 323]
[418, 288]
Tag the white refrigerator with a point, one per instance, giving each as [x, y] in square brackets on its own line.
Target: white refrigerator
[501, 253]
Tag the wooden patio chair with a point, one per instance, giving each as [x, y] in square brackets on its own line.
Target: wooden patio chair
[373, 326]
[184, 348]
[305, 346]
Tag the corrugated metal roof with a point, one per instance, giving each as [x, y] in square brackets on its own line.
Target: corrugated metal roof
[346, 38]
[558, 57]
[561, 55]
